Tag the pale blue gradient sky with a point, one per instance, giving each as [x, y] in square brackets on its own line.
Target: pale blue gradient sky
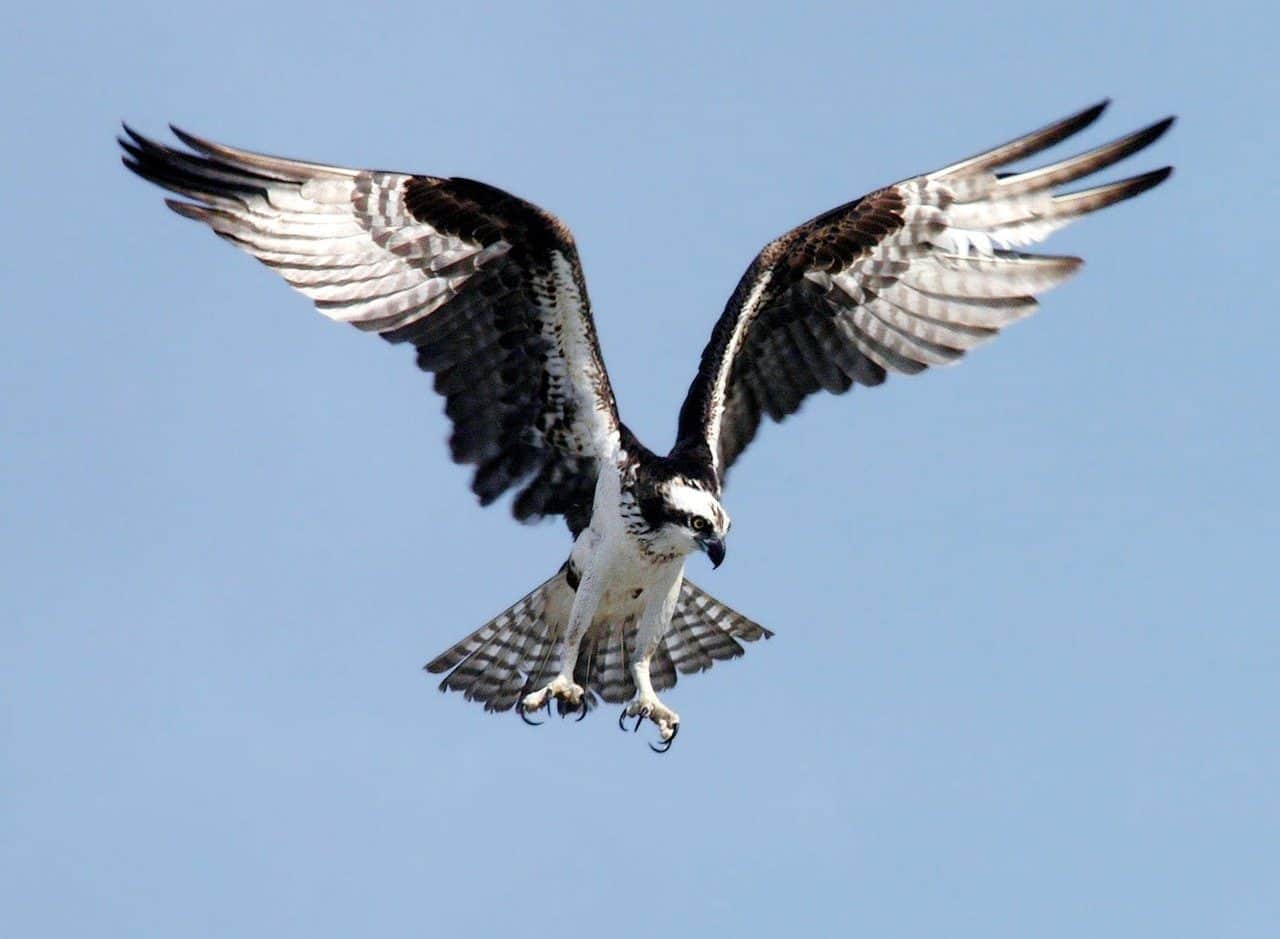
[1025, 676]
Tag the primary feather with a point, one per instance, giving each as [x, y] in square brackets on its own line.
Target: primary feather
[909, 276]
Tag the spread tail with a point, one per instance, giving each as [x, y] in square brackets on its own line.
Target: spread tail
[518, 651]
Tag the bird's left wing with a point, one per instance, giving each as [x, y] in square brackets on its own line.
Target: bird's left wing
[909, 276]
[487, 286]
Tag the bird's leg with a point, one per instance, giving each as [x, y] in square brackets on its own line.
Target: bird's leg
[562, 687]
[653, 625]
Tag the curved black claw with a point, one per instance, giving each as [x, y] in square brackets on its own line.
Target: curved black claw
[583, 712]
[524, 716]
[644, 712]
[666, 744]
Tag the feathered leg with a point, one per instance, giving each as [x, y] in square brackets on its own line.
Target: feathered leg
[562, 687]
[659, 606]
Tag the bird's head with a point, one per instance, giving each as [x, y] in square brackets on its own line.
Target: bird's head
[689, 517]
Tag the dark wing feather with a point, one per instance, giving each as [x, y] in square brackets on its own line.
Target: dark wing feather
[487, 287]
[906, 277]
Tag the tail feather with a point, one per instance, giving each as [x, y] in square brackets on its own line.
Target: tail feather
[704, 630]
[608, 673]
[492, 665]
[518, 651]
[593, 645]
[514, 678]
[662, 671]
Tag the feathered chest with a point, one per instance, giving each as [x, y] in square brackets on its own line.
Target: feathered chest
[621, 525]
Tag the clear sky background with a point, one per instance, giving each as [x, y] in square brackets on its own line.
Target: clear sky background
[1024, 682]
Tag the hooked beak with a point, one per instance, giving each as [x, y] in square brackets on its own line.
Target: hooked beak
[714, 548]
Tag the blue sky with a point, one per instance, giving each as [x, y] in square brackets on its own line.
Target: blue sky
[1025, 675]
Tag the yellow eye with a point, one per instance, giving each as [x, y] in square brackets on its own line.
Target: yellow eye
[699, 524]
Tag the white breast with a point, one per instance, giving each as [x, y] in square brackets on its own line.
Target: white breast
[629, 573]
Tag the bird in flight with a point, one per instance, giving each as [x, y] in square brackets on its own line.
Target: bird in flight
[489, 290]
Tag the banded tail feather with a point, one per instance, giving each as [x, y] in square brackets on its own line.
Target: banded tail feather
[518, 650]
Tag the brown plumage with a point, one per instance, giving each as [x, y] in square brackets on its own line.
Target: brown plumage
[486, 286]
[909, 276]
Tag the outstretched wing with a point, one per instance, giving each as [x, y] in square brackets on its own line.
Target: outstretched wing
[906, 277]
[486, 286]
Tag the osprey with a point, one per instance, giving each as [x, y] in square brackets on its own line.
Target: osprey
[489, 290]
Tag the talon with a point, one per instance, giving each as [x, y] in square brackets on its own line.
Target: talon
[622, 717]
[666, 744]
[584, 710]
[639, 721]
[524, 716]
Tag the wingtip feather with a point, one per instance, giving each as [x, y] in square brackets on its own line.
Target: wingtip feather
[1108, 194]
[1095, 110]
[1072, 124]
[1083, 164]
[136, 139]
[1028, 144]
[187, 210]
[191, 140]
[1150, 134]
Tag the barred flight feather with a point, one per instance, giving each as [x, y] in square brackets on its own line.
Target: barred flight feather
[486, 286]
[909, 276]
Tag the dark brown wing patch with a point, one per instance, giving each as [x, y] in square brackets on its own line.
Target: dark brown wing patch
[486, 286]
[909, 276]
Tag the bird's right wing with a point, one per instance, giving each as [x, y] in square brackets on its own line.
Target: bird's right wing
[909, 276]
[487, 286]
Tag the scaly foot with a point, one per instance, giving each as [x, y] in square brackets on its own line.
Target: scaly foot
[667, 720]
[563, 689]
